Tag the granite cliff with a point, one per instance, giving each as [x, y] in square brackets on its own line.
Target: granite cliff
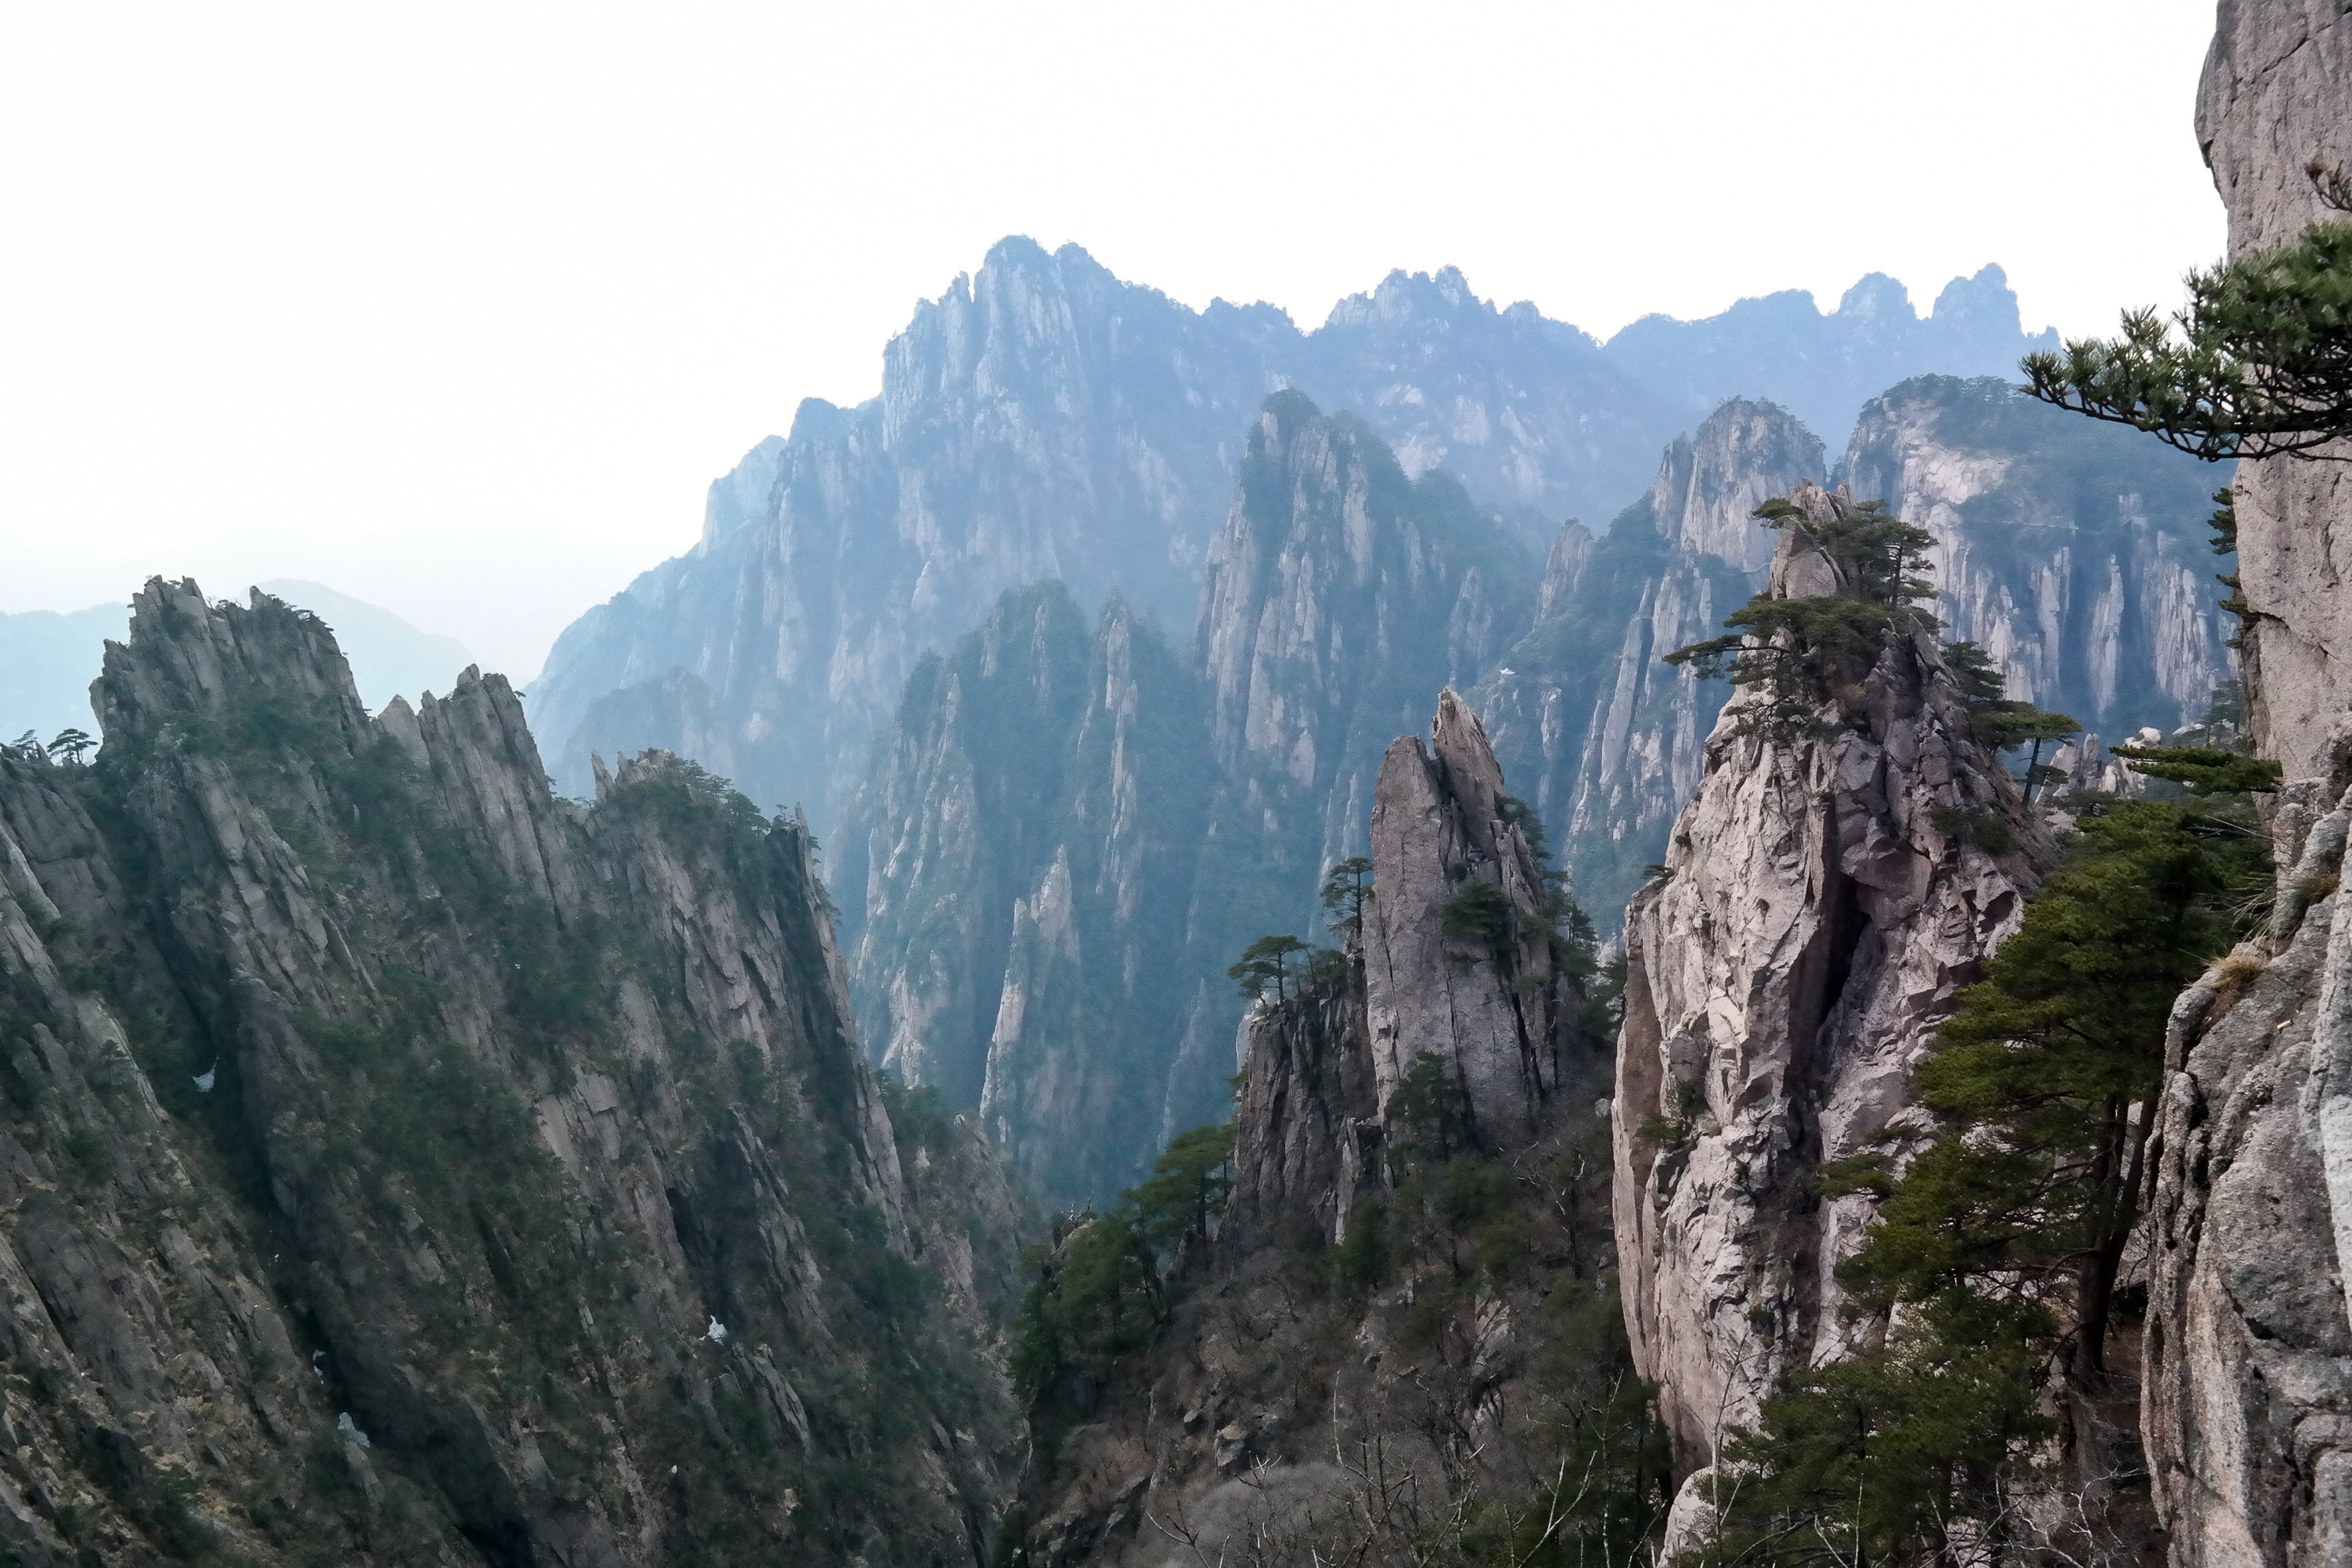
[996, 926]
[1067, 840]
[409, 1166]
[2248, 1412]
[1824, 896]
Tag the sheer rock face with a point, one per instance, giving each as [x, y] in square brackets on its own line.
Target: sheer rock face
[1308, 1136]
[2272, 101]
[1785, 974]
[1711, 483]
[1606, 740]
[2073, 552]
[1340, 594]
[2248, 1409]
[366, 1081]
[1483, 1002]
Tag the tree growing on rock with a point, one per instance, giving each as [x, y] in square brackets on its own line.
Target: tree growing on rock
[2257, 365]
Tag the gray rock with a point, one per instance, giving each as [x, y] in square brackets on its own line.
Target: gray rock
[1817, 912]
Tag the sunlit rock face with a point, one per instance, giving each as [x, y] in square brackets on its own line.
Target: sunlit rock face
[1786, 970]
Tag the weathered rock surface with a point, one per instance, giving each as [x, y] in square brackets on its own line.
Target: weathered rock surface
[1607, 739]
[1823, 900]
[2074, 552]
[1486, 1001]
[1285, 1389]
[2247, 1413]
[1340, 594]
[408, 1166]
[2272, 102]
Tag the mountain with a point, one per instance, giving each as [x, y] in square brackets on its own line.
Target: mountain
[1065, 838]
[1605, 737]
[52, 658]
[2075, 552]
[1823, 367]
[1401, 1326]
[388, 657]
[1044, 419]
[406, 1165]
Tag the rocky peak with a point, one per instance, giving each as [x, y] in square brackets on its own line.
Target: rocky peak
[1457, 941]
[1571, 552]
[425, 1162]
[1982, 308]
[1338, 588]
[2094, 598]
[1712, 481]
[1823, 897]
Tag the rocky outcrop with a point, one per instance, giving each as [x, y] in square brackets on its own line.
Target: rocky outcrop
[1710, 483]
[1822, 898]
[1206, 798]
[413, 1167]
[1388, 1304]
[2270, 105]
[1025, 855]
[1458, 943]
[2247, 1414]
[1340, 594]
[2075, 553]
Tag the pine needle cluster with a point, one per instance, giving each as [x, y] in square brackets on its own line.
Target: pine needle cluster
[2258, 363]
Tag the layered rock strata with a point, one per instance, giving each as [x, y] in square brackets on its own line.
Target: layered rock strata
[409, 1166]
[1821, 901]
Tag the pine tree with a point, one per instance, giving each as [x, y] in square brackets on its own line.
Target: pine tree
[2258, 363]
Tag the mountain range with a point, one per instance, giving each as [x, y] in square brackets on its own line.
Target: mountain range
[1044, 419]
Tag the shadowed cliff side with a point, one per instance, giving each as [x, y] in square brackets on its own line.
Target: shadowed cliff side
[411, 1167]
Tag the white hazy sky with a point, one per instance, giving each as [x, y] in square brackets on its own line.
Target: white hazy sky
[458, 308]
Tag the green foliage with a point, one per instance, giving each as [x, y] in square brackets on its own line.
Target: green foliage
[2005, 725]
[1479, 913]
[1889, 1456]
[1186, 1191]
[1985, 826]
[1429, 1111]
[1097, 1291]
[1346, 885]
[2204, 770]
[1800, 651]
[1266, 961]
[2000, 1239]
[2258, 363]
[1974, 672]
